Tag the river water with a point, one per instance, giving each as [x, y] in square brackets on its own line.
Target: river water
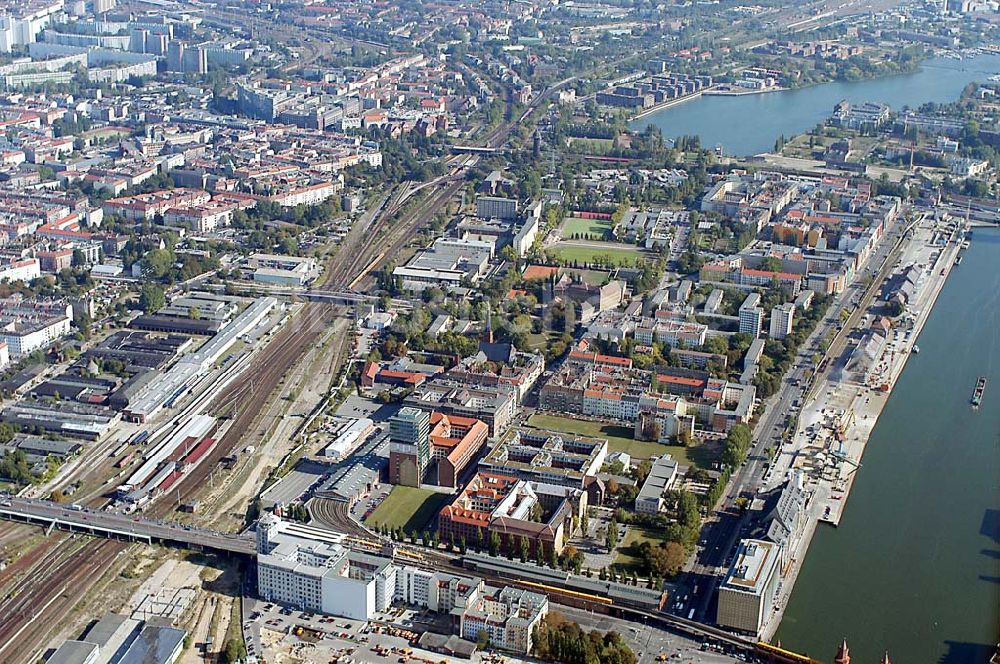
[914, 567]
[750, 124]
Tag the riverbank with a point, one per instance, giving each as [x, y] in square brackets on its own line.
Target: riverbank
[913, 566]
[731, 92]
[667, 104]
[762, 118]
[839, 417]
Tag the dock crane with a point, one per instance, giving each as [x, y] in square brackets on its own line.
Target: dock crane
[841, 455]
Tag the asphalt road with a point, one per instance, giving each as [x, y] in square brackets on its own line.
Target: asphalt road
[724, 528]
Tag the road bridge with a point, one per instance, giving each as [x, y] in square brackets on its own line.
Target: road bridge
[121, 526]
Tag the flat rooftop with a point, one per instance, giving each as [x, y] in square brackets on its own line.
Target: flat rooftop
[753, 566]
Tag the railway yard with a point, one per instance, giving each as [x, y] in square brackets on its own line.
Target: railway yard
[253, 411]
[371, 332]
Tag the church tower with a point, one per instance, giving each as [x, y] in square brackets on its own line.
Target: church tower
[843, 654]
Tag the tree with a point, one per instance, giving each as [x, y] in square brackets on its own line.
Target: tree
[194, 313]
[642, 470]
[494, 543]
[611, 536]
[895, 308]
[482, 639]
[627, 494]
[151, 298]
[525, 548]
[665, 559]
[557, 639]
[157, 263]
[234, 651]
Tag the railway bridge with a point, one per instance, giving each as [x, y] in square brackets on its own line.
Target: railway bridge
[121, 526]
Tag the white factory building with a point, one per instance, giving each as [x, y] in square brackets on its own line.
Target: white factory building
[282, 270]
[446, 264]
[313, 569]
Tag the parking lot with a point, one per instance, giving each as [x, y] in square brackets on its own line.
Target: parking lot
[364, 507]
[390, 636]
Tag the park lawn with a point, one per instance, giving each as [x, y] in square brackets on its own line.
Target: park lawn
[628, 550]
[620, 257]
[620, 439]
[408, 508]
[593, 227]
[539, 341]
[590, 145]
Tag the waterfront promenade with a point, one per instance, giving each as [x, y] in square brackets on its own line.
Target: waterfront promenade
[838, 417]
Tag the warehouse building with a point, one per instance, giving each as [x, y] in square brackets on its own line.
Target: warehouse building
[282, 270]
[446, 264]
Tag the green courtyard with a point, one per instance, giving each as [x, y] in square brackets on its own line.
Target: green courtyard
[620, 439]
[628, 557]
[408, 508]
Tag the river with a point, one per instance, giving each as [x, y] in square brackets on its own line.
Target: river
[914, 567]
[750, 124]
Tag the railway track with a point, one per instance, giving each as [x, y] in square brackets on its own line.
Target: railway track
[47, 593]
[57, 573]
[333, 514]
[360, 251]
[245, 400]
[398, 235]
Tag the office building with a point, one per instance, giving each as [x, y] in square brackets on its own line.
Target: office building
[310, 569]
[455, 442]
[746, 596]
[782, 319]
[751, 316]
[495, 207]
[496, 405]
[409, 449]
[508, 616]
[536, 515]
[553, 458]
